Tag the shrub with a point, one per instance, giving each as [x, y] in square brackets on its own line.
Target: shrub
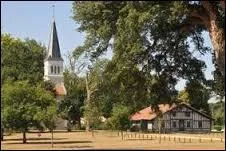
[217, 127]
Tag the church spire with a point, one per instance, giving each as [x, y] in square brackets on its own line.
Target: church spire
[54, 48]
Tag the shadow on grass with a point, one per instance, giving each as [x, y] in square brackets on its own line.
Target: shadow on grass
[20, 139]
[49, 142]
[85, 146]
[128, 139]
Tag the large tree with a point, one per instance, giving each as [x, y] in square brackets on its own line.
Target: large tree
[21, 60]
[140, 28]
[197, 95]
[71, 107]
[26, 106]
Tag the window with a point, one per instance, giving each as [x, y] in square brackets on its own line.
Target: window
[51, 69]
[188, 123]
[163, 124]
[55, 69]
[187, 114]
[58, 69]
[174, 124]
[174, 114]
[200, 124]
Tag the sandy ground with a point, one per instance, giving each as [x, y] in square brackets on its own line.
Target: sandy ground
[111, 140]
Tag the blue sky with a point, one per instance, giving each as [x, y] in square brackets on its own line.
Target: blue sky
[33, 19]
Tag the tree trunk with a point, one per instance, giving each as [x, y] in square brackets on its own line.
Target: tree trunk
[216, 34]
[87, 103]
[24, 137]
[217, 38]
[2, 133]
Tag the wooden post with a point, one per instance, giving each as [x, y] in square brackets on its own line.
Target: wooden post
[122, 134]
[92, 133]
[179, 139]
[190, 140]
[221, 140]
[52, 138]
[174, 138]
[200, 140]
[24, 137]
[211, 139]
[169, 138]
[184, 140]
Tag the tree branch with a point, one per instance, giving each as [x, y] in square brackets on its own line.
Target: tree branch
[199, 12]
[222, 4]
[189, 25]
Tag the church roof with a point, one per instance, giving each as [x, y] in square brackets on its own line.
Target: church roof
[54, 48]
[60, 90]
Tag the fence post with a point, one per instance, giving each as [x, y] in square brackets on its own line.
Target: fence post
[190, 140]
[200, 140]
[174, 138]
[221, 140]
[184, 140]
[164, 137]
[151, 137]
[211, 139]
[122, 134]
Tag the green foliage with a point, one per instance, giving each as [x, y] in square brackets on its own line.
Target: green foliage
[119, 119]
[197, 95]
[217, 127]
[26, 106]
[92, 114]
[21, 60]
[145, 39]
[218, 111]
[71, 107]
[144, 33]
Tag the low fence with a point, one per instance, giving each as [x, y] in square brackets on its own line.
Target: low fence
[181, 138]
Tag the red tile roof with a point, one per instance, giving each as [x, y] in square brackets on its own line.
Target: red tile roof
[60, 90]
[148, 113]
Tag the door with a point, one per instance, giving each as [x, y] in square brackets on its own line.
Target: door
[181, 125]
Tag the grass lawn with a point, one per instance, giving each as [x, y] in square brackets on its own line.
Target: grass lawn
[106, 140]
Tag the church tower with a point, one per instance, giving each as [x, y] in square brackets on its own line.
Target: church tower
[53, 62]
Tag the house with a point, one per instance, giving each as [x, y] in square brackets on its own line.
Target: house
[175, 118]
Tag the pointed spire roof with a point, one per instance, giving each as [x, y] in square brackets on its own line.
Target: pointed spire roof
[54, 48]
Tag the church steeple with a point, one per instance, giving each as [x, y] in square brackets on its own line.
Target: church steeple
[54, 48]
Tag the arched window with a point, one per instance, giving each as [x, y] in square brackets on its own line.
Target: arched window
[58, 69]
[51, 69]
[55, 69]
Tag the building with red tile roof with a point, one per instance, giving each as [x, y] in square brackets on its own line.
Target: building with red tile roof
[181, 117]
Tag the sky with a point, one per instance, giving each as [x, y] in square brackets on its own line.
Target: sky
[32, 19]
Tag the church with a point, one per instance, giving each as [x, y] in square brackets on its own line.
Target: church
[53, 70]
[53, 64]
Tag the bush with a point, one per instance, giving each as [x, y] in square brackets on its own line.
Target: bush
[119, 119]
[134, 128]
[217, 127]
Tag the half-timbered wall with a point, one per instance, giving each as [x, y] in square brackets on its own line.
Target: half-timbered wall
[191, 120]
